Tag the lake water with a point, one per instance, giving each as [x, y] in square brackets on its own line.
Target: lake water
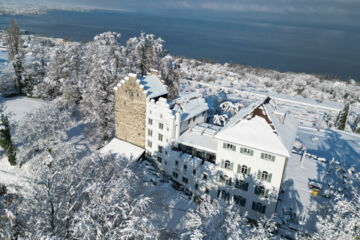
[270, 45]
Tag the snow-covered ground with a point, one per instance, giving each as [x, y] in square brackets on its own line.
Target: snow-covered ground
[17, 107]
[15, 178]
[326, 150]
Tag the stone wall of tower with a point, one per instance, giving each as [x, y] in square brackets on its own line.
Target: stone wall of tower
[130, 111]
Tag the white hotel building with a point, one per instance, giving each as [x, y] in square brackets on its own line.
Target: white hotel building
[244, 161]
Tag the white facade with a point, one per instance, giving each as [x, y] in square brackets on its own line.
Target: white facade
[247, 168]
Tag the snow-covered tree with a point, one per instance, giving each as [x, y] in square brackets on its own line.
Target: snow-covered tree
[115, 208]
[8, 81]
[42, 130]
[216, 219]
[15, 53]
[341, 220]
[230, 107]
[57, 194]
[171, 74]
[220, 119]
[142, 53]
[339, 216]
[97, 104]
[59, 71]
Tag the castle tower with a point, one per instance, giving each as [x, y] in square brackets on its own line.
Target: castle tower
[130, 106]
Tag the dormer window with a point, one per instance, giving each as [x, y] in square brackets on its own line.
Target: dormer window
[268, 157]
[229, 146]
[247, 151]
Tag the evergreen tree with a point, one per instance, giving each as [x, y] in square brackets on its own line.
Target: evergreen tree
[5, 138]
[343, 117]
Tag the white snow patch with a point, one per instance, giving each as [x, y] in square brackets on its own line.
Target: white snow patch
[123, 149]
[18, 107]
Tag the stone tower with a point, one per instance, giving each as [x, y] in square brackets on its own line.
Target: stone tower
[130, 106]
[130, 109]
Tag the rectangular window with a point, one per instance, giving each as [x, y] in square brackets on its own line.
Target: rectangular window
[160, 137]
[247, 151]
[241, 185]
[177, 163]
[185, 180]
[150, 132]
[229, 146]
[261, 191]
[240, 200]
[160, 149]
[268, 157]
[159, 159]
[189, 121]
[258, 207]
[185, 167]
[197, 186]
[207, 190]
[149, 144]
[194, 118]
[150, 121]
[194, 172]
[161, 126]
[175, 175]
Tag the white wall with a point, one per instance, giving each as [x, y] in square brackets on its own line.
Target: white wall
[159, 112]
[276, 168]
[200, 118]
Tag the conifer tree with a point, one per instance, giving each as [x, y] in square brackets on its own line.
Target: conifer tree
[343, 117]
[5, 138]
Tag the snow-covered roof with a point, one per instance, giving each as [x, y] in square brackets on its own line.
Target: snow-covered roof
[189, 105]
[262, 127]
[123, 149]
[201, 137]
[153, 85]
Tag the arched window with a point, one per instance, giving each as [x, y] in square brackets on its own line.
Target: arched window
[244, 169]
[227, 164]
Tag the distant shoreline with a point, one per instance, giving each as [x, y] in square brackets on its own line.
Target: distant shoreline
[244, 42]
